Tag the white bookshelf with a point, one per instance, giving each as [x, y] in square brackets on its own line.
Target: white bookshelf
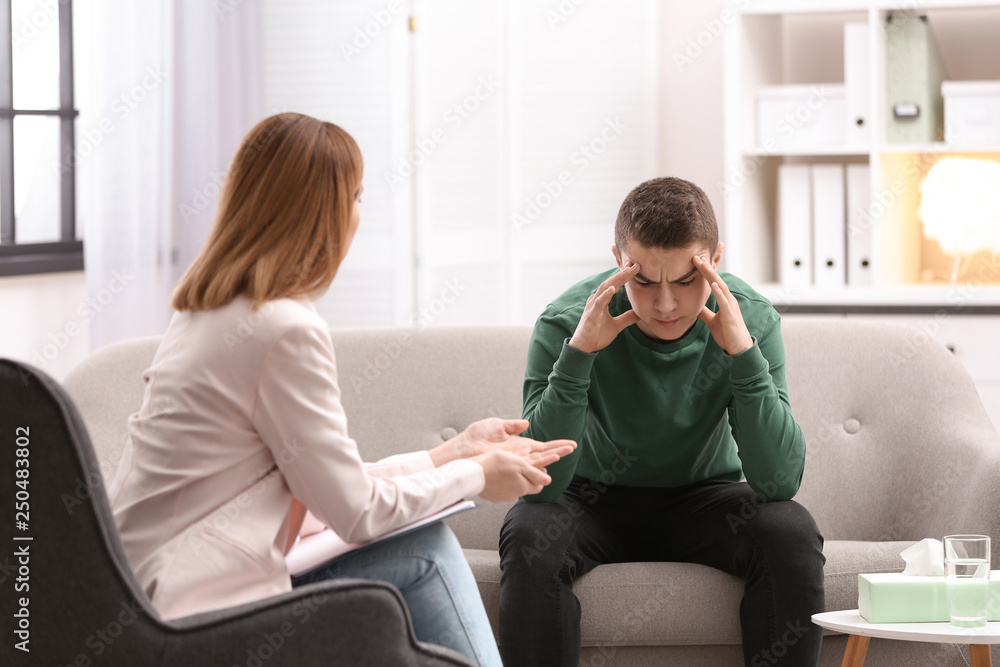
[795, 42]
[798, 42]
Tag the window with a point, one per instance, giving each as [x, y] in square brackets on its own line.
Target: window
[37, 160]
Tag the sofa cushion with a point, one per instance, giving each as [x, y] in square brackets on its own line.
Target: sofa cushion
[639, 603]
[643, 604]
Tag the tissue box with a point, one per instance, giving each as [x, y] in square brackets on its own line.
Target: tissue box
[897, 598]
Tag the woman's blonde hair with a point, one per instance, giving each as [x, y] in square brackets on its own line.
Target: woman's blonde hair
[283, 216]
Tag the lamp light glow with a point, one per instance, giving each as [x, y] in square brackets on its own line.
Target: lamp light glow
[960, 205]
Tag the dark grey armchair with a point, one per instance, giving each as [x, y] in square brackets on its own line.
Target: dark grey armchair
[69, 583]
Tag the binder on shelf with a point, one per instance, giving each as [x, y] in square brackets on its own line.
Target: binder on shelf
[857, 65]
[828, 218]
[913, 74]
[794, 225]
[860, 228]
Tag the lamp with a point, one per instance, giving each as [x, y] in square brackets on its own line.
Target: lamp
[960, 207]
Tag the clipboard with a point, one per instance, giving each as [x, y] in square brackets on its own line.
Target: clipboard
[324, 547]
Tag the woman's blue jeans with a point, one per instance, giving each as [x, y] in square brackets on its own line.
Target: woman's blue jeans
[428, 567]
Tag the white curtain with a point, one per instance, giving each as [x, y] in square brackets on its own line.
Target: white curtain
[166, 89]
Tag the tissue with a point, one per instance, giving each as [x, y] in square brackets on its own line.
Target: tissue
[925, 558]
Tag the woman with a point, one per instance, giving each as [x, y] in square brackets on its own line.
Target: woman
[241, 419]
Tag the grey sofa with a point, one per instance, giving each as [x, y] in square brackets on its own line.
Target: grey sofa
[899, 448]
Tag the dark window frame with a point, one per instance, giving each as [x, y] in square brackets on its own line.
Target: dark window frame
[67, 253]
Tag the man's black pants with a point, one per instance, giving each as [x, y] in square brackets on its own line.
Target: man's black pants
[776, 547]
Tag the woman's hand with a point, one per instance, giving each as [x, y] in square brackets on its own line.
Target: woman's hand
[513, 465]
[491, 434]
[509, 476]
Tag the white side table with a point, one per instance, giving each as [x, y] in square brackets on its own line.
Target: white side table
[861, 632]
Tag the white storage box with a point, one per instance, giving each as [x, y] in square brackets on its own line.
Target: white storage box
[801, 117]
[971, 112]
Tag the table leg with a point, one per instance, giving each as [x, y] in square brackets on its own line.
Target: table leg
[857, 647]
[980, 655]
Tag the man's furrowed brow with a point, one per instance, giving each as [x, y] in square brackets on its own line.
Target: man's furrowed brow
[683, 278]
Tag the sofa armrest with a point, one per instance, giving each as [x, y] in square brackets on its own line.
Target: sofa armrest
[343, 622]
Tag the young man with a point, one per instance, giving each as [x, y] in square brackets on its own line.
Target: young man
[674, 388]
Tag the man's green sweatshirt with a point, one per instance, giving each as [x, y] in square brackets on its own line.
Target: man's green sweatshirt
[649, 413]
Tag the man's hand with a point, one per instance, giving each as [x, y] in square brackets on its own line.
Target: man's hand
[597, 328]
[491, 434]
[727, 326]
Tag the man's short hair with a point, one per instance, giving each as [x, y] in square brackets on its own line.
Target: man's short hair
[666, 213]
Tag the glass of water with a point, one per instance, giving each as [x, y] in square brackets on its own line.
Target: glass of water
[967, 579]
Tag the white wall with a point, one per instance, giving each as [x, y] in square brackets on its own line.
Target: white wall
[691, 102]
[46, 320]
